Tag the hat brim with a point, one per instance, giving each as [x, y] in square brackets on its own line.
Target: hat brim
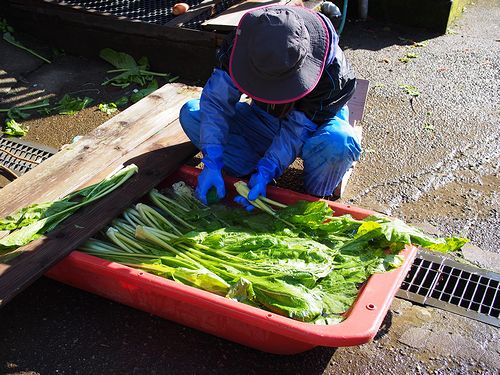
[285, 89]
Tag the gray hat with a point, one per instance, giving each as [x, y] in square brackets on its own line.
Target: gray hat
[279, 53]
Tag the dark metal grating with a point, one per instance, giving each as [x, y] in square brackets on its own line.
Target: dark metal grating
[438, 281]
[21, 156]
[151, 11]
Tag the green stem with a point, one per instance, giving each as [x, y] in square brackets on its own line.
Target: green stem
[121, 180]
[143, 233]
[153, 73]
[18, 45]
[237, 264]
[26, 107]
[116, 70]
[155, 197]
[274, 203]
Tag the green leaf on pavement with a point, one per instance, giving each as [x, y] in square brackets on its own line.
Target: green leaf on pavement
[108, 108]
[70, 105]
[410, 90]
[136, 96]
[128, 70]
[14, 129]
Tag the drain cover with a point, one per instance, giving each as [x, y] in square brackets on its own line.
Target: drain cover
[440, 282]
[21, 156]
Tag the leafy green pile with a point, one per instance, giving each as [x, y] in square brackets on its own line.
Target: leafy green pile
[71, 105]
[14, 129]
[108, 108]
[129, 71]
[21, 112]
[11, 127]
[30, 223]
[299, 261]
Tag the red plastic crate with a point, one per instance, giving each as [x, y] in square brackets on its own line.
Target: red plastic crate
[229, 319]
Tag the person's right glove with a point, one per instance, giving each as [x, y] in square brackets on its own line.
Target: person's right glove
[211, 176]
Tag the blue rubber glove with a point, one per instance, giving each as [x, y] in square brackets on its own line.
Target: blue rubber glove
[211, 176]
[266, 170]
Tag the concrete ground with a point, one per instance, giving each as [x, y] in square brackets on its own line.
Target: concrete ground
[431, 161]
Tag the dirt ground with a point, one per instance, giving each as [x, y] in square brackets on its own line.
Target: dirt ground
[432, 161]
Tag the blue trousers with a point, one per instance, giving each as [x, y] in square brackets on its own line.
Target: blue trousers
[327, 154]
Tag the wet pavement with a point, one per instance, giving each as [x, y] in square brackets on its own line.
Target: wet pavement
[431, 160]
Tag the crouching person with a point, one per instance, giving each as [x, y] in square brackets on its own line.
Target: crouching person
[287, 60]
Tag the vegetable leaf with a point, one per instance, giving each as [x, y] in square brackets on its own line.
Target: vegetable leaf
[108, 108]
[410, 90]
[31, 222]
[118, 59]
[69, 105]
[129, 71]
[136, 96]
[9, 38]
[20, 112]
[298, 261]
[122, 101]
[14, 129]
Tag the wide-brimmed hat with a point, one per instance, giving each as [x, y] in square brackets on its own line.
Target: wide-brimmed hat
[279, 53]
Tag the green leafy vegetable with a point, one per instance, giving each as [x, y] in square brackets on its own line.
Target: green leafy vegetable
[32, 222]
[5, 27]
[14, 129]
[121, 101]
[408, 57]
[129, 71]
[136, 96]
[70, 105]
[299, 261]
[20, 112]
[414, 44]
[108, 108]
[410, 90]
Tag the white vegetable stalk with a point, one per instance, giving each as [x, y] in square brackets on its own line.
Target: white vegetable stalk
[243, 190]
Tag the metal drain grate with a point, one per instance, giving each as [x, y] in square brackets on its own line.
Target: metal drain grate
[465, 290]
[21, 156]
[150, 11]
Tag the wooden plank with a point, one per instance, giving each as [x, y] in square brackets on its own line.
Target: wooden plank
[156, 158]
[230, 18]
[356, 111]
[358, 101]
[78, 163]
[205, 7]
[340, 189]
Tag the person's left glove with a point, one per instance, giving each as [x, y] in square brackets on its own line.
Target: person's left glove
[258, 183]
[211, 176]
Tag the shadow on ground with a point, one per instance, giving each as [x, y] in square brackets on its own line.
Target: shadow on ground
[97, 336]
